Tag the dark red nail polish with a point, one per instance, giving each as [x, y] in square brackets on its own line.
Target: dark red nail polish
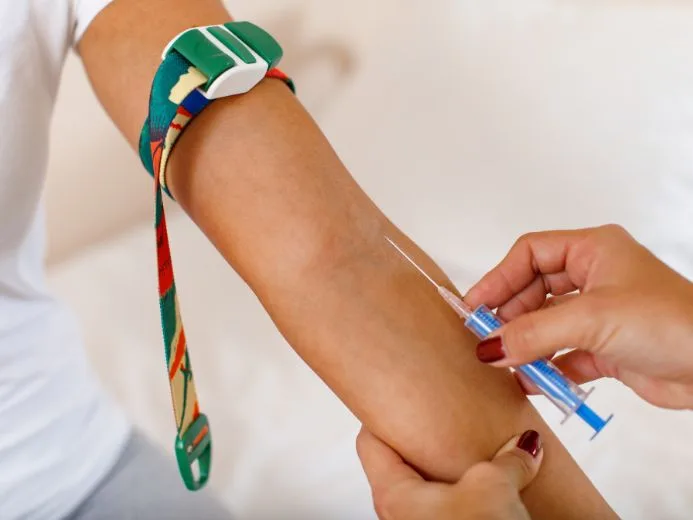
[530, 442]
[490, 350]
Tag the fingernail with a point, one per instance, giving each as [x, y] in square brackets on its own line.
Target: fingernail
[490, 350]
[530, 442]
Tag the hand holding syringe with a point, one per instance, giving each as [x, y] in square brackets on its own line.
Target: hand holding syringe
[566, 395]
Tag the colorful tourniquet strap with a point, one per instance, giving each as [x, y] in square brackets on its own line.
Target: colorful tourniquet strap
[175, 100]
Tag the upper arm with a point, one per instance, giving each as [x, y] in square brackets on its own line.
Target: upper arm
[121, 48]
[83, 13]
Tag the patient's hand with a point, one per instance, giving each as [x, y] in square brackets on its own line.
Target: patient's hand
[488, 490]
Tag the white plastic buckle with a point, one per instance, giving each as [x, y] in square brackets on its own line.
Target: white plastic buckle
[237, 80]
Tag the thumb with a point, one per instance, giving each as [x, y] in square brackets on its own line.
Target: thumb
[512, 468]
[575, 323]
[383, 466]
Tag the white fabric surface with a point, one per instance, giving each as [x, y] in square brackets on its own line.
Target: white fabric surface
[278, 431]
[507, 117]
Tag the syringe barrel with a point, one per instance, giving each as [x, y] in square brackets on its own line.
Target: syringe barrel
[550, 381]
[565, 394]
[483, 322]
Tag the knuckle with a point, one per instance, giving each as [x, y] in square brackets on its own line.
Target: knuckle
[502, 479]
[614, 230]
[490, 479]
[602, 236]
[609, 236]
[483, 474]
[525, 467]
[526, 239]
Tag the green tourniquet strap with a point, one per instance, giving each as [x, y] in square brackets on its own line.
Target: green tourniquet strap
[175, 100]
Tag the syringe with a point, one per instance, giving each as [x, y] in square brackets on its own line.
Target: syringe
[549, 380]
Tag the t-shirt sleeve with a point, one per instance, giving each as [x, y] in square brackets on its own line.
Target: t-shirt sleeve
[84, 12]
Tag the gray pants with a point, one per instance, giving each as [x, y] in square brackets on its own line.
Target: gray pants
[144, 485]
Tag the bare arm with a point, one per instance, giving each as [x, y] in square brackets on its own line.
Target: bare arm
[259, 178]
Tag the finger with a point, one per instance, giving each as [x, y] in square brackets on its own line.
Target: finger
[528, 387]
[534, 254]
[520, 459]
[539, 334]
[579, 366]
[513, 467]
[533, 296]
[383, 466]
[553, 302]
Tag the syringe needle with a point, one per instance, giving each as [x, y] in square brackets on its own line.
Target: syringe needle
[460, 307]
[405, 255]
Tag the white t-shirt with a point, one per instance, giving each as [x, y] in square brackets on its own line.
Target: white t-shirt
[59, 433]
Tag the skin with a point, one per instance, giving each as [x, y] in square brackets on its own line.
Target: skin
[632, 320]
[262, 182]
[400, 493]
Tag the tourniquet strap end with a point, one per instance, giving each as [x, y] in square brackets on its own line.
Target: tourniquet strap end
[199, 65]
[195, 445]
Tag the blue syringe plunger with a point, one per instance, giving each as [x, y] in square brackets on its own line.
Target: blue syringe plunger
[590, 417]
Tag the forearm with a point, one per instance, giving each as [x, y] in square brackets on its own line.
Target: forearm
[311, 244]
[261, 181]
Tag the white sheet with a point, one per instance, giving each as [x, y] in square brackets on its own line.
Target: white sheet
[283, 443]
